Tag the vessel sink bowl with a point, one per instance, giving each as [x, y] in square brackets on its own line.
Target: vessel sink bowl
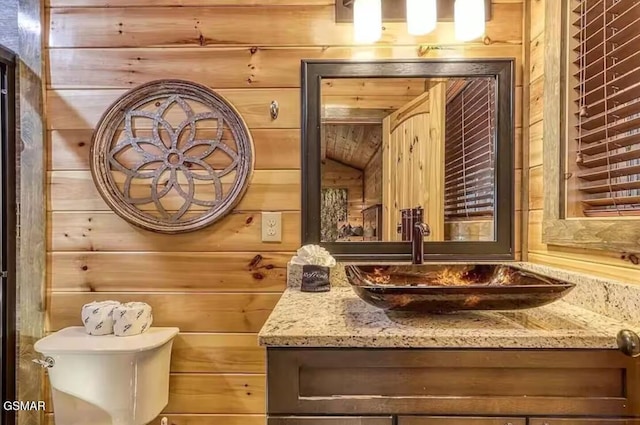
[436, 288]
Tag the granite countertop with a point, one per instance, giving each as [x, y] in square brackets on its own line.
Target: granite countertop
[340, 319]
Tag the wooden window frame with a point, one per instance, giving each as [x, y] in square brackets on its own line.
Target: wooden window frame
[617, 234]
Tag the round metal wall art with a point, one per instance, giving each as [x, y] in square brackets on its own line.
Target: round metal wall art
[171, 156]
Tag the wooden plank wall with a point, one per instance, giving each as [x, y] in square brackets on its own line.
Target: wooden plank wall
[373, 180]
[600, 263]
[219, 284]
[469, 230]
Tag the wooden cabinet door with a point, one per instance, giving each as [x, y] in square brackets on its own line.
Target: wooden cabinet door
[453, 420]
[465, 383]
[582, 421]
[318, 420]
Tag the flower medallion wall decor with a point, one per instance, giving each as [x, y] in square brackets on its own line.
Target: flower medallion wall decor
[171, 156]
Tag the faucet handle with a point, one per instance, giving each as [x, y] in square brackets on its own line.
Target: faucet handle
[417, 213]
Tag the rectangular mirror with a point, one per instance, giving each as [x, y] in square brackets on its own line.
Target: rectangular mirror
[382, 138]
[389, 145]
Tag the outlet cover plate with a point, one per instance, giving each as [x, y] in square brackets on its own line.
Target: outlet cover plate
[271, 226]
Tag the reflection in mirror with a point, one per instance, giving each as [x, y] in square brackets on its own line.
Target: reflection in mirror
[390, 145]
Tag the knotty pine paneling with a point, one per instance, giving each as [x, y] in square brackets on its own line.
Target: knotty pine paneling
[604, 264]
[202, 312]
[146, 3]
[536, 101]
[205, 393]
[373, 180]
[536, 58]
[518, 148]
[69, 149]
[217, 353]
[268, 190]
[518, 107]
[535, 144]
[231, 67]
[81, 109]
[536, 190]
[537, 17]
[253, 26]
[518, 194]
[194, 272]
[366, 101]
[105, 231]
[217, 284]
[412, 87]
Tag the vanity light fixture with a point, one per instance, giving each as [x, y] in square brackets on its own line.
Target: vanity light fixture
[367, 21]
[469, 19]
[422, 16]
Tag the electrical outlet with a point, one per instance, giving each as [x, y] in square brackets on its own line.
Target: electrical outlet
[271, 227]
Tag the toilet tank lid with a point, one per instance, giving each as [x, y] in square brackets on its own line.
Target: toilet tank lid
[75, 340]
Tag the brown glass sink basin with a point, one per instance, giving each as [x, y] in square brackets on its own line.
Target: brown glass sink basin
[445, 288]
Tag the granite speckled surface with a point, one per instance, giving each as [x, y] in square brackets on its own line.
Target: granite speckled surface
[611, 298]
[340, 319]
[608, 297]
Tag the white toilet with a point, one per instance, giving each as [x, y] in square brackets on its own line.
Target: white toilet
[107, 380]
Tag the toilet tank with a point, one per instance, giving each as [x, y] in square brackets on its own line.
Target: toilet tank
[108, 379]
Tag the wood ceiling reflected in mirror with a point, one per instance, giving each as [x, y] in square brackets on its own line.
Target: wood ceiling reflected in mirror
[353, 145]
[387, 143]
[366, 101]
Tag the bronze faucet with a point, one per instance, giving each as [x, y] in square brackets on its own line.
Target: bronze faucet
[420, 230]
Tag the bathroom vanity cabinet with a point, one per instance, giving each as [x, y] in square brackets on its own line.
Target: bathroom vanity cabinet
[368, 386]
[350, 363]
[344, 420]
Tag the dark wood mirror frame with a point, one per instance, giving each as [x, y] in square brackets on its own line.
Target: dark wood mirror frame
[502, 248]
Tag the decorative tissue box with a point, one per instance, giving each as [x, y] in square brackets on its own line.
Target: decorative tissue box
[315, 278]
[309, 278]
[294, 275]
[309, 269]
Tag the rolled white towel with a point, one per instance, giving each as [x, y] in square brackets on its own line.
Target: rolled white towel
[97, 317]
[132, 318]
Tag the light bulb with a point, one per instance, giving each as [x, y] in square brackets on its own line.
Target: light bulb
[367, 21]
[422, 16]
[469, 19]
